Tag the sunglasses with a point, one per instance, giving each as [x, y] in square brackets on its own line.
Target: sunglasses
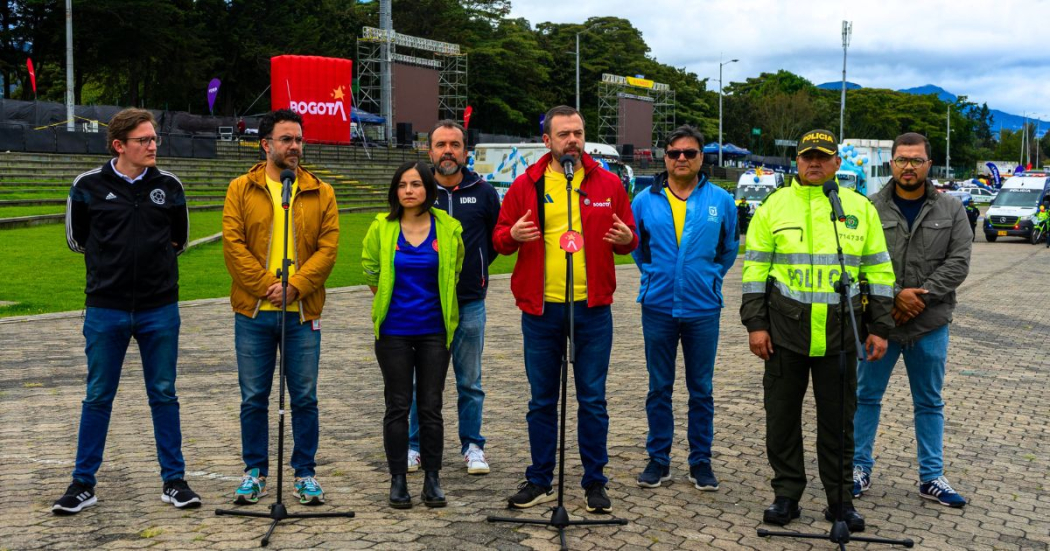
[675, 154]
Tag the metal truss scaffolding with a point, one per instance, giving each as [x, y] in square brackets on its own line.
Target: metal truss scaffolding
[610, 115]
[447, 58]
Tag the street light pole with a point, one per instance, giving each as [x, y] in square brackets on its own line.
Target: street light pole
[847, 32]
[948, 147]
[720, 65]
[598, 24]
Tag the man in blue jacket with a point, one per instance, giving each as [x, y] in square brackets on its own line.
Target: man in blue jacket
[688, 241]
[475, 203]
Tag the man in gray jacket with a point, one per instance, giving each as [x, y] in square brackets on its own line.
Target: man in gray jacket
[929, 239]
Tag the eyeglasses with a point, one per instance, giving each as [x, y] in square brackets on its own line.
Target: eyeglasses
[287, 140]
[145, 140]
[915, 162]
[674, 154]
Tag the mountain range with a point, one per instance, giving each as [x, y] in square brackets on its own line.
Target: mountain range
[1000, 119]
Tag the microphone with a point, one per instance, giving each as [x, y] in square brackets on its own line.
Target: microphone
[287, 179]
[831, 190]
[568, 163]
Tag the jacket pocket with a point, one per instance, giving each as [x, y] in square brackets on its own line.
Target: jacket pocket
[936, 234]
[787, 234]
[785, 318]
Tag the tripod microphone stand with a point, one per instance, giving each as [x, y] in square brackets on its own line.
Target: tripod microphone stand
[840, 533]
[278, 511]
[571, 242]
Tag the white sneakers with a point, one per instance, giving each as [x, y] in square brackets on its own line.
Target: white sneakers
[475, 460]
[413, 461]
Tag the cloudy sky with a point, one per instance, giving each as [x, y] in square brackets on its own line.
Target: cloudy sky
[995, 52]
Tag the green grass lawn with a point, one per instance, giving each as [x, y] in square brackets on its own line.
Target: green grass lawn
[31, 210]
[42, 275]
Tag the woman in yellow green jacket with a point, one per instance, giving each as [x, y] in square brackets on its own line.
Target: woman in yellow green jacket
[412, 258]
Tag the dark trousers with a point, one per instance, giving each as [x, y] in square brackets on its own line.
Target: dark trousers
[785, 381]
[425, 358]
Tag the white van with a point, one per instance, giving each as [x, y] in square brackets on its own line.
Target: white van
[1012, 213]
[754, 187]
[500, 163]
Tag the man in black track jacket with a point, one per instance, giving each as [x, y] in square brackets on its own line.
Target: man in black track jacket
[129, 220]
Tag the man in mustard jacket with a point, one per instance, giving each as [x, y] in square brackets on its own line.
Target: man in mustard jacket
[253, 245]
[791, 309]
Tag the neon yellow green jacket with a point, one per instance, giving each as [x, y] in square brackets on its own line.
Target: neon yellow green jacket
[377, 259]
[791, 240]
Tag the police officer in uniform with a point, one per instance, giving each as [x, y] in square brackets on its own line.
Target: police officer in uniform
[791, 310]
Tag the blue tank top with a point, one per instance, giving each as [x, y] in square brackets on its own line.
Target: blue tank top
[415, 304]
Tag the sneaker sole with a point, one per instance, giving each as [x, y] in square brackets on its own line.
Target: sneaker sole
[316, 500]
[243, 499]
[938, 500]
[478, 470]
[703, 488]
[191, 504]
[59, 510]
[413, 468]
[599, 510]
[544, 498]
[658, 482]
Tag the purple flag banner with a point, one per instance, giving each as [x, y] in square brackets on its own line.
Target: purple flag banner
[213, 91]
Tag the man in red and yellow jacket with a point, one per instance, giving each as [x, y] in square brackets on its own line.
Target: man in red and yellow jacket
[533, 222]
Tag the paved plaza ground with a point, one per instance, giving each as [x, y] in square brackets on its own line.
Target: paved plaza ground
[997, 443]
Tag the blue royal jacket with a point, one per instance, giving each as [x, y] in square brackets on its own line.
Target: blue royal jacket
[475, 203]
[685, 280]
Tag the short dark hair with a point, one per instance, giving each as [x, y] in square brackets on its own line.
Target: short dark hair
[685, 131]
[446, 123]
[271, 119]
[429, 184]
[560, 111]
[912, 138]
[123, 123]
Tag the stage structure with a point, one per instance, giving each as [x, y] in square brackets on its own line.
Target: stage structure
[413, 78]
[635, 111]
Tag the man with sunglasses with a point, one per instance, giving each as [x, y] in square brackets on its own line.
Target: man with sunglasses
[688, 241]
[253, 245]
[130, 221]
[930, 243]
[791, 308]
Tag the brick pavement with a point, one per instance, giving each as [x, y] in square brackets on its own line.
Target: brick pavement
[997, 441]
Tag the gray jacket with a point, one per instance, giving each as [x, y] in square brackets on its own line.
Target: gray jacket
[934, 255]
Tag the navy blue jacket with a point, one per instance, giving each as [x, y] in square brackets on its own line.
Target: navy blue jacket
[685, 280]
[475, 203]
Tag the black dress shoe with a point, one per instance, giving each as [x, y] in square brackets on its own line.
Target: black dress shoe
[781, 511]
[432, 494]
[854, 521]
[399, 496]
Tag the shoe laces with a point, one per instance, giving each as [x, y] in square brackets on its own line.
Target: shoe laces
[475, 455]
[179, 485]
[309, 484]
[941, 484]
[249, 482]
[858, 474]
[654, 468]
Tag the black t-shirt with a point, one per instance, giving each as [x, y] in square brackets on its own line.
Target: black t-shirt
[909, 207]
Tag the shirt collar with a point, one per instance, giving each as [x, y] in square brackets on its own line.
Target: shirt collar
[128, 179]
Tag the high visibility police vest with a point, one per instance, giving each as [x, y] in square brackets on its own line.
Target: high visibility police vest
[791, 239]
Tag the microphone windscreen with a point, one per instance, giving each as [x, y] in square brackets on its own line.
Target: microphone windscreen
[289, 175]
[567, 159]
[830, 186]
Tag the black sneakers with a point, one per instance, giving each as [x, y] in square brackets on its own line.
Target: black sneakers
[530, 494]
[77, 497]
[179, 494]
[597, 499]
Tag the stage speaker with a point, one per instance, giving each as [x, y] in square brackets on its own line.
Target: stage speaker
[627, 152]
[404, 133]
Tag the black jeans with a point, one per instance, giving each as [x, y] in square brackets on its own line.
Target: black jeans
[400, 358]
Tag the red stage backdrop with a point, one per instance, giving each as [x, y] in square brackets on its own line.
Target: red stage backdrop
[318, 88]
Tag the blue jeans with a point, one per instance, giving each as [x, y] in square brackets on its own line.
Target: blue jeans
[924, 360]
[108, 333]
[467, 344]
[545, 341]
[257, 341]
[699, 336]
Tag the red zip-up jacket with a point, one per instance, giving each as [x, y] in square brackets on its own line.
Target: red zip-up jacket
[604, 197]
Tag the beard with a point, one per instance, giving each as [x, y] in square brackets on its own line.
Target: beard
[911, 187]
[448, 170]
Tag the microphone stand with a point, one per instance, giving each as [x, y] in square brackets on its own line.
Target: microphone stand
[278, 511]
[840, 533]
[559, 516]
